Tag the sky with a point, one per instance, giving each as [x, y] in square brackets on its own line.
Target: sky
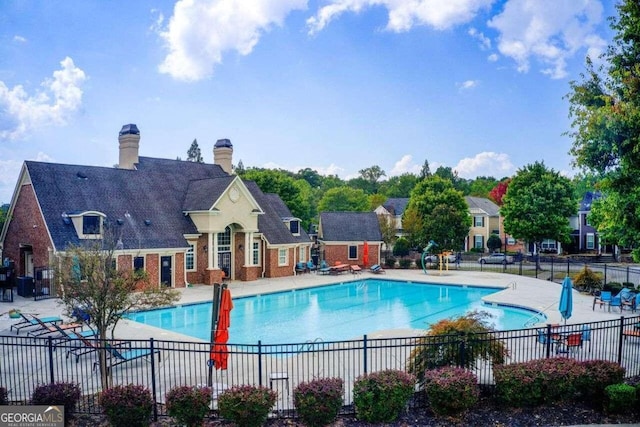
[334, 85]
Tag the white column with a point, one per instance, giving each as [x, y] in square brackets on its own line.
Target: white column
[210, 251]
[215, 250]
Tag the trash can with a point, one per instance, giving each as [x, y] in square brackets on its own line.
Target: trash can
[25, 286]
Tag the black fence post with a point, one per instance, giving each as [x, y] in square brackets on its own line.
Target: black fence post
[620, 339]
[568, 266]
[627, 274]
[364, 356]
[260, 362]
[462, 352]
[548, 341]
[605, 275]
[153, 381]
[50, 347]
[552, 265]
[520, 267]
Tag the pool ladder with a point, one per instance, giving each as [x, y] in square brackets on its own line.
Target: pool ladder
[536, 318]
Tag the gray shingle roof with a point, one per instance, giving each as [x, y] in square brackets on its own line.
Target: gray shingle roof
[588, 199]
[396, 205]
[157, 192]
[350, 226]
[485, 205]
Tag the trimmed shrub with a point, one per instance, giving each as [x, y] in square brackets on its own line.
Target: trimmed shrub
[380, 396]
[188, 405]
[4, 396]
[619, 398]
[598, 375]
[451, 390]
[247, 406]
[127, 405]
[538, 381]
[390, 262]
[587, 280]
[441, 346]
[318, 402]
[401, 247]
[67, 394]
[405, 263]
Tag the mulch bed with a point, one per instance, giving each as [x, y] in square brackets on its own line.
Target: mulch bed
[485, 414]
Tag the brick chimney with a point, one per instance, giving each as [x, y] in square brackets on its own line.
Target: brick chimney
[223, 154]
[129, 139]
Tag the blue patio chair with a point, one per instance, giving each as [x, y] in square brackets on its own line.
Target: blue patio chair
[301, 267]
[324, 268]
[29, 320]
[586, 335]
[311, 266]
[603, 299]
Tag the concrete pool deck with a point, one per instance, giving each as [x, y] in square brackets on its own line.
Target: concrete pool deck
[522, 291]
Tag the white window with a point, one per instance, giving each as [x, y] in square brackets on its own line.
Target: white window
[294, 227]
[283, 257]
[91, 224]
[548, 244]
[189, 258]
[302, 252]
[478, 221]
[478, 241]
[256, 253]
[591, 241]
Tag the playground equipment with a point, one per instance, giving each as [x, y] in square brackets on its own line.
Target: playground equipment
[443, 257]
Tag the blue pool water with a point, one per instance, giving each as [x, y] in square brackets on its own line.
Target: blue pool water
[335, 312]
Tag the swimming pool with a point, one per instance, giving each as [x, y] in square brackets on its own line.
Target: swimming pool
[335, 312]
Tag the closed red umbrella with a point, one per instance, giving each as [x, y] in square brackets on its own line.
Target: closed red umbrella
[219, 353]
[365, 254]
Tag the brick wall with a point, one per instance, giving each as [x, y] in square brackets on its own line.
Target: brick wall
[333, 253]
[27, 227]
[152, 266]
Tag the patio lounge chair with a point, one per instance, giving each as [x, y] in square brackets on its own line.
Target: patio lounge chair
[376, 269]
[118, 357]
[29, 320]
[72, 335]
[603, 299]
[311, 266]
[324, 268]
[301, 267]
[622, 300]
[91, 345]
[47, 328]
[338, 268]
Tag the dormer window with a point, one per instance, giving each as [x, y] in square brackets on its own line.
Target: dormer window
[90, 224]
[293, 224]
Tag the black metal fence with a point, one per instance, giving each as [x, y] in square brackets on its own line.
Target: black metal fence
[27, 362]
[547, 268]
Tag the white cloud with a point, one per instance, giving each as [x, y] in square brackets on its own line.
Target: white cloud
[468, 84]
[485, 164]
[405, 165]
[549, 31]
[485, 42]
[19, 39]
[493, 57]
[53, 105]
[404, 14]
[200, 31]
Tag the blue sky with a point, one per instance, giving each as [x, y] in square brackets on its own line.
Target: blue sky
[334, 85]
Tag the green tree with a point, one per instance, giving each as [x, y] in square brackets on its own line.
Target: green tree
[372, 174]
[3, 214]
[605, 113]
[344, 199]
[387, 229]
[398, 186]
[401, 247]
[90, 280]
[311, 176]
[482, 186]
[296, 194]
[412, 226]
[194, 154]
[453, 212]
[425, 172]
[538, 205]
[376, 200]
[494, 242]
